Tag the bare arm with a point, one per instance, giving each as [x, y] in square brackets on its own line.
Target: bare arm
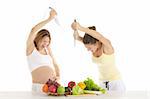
[57, 69]
[32, 35]
[96, 35]
[107, 44]
[77, 36]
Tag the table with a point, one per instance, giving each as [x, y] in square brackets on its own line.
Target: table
[30, 95]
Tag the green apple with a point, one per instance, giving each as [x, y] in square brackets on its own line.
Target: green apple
[60, 90]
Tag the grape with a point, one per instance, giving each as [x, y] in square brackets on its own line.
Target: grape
[49, 82]
[56, 84]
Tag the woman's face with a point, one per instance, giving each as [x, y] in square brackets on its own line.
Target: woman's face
[45, 41]
[92, 47]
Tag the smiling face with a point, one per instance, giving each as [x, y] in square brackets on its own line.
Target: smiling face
[44, 42]
[42, 39]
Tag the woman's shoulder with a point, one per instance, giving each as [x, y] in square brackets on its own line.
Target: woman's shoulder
[108, 50]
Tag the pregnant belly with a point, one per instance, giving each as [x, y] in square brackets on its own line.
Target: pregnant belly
[42, 74]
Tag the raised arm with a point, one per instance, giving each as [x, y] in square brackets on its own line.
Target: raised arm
[35, 29]
[107, 44]
[77, 36]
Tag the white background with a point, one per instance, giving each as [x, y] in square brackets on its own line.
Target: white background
[125, 22]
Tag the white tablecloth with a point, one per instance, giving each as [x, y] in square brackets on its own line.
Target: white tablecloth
[30, 95]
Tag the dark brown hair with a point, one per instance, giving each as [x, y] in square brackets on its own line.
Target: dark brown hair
[42, 33]
[88, 39]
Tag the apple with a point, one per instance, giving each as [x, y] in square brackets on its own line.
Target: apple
[52, 88]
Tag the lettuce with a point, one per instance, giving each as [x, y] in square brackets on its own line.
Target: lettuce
[91, 85]
[76, 90]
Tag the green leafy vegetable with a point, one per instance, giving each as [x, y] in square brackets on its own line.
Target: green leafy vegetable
[91, 85]
[77, 90]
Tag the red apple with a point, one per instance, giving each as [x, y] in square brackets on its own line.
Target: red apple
[52, 88]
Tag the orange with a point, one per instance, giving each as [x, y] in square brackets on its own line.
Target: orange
[45, 88]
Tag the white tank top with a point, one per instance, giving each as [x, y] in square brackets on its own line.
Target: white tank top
[36, 60]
